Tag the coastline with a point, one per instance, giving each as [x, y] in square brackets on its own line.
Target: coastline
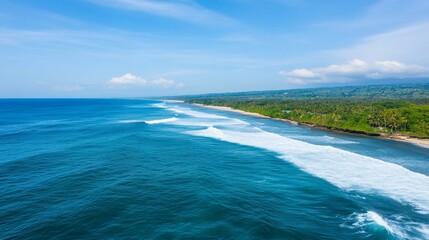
[396, 137]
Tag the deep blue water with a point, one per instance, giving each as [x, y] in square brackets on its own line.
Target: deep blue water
[127, 168]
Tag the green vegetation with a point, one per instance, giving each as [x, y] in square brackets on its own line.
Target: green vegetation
[371, 110]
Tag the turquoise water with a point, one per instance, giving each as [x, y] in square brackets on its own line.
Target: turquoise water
[91, 169]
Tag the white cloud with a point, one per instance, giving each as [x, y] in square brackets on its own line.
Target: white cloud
[130, 79]
[163, 82]
[186, 10]
[356, 70]
[302, 72]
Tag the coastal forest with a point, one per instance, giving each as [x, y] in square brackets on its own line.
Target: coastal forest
[373, 110]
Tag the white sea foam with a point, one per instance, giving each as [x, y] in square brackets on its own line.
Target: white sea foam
[190, 112]
[373, 216]
[159, 105]
[347, 170]
[424, 230]
[208, 123]
[367, 220]
[324, 139]
[165, 120]
[204, 119]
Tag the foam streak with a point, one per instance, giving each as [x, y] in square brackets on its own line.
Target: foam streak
[347, 170]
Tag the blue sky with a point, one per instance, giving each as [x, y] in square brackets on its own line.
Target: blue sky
[133, 48]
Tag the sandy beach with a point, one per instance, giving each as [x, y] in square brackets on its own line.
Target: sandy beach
[396, 137]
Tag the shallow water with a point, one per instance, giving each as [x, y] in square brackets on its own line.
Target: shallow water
[126, 168]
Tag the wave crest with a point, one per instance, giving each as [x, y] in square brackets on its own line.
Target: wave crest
[158, 121]
[346, 170]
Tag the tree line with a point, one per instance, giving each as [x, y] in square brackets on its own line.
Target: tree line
[369, 116]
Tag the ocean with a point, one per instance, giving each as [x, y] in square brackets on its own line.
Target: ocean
[153, 169]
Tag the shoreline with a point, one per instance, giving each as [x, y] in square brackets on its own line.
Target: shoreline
[396, 137]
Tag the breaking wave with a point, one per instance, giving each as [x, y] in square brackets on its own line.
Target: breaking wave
[346, 170]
